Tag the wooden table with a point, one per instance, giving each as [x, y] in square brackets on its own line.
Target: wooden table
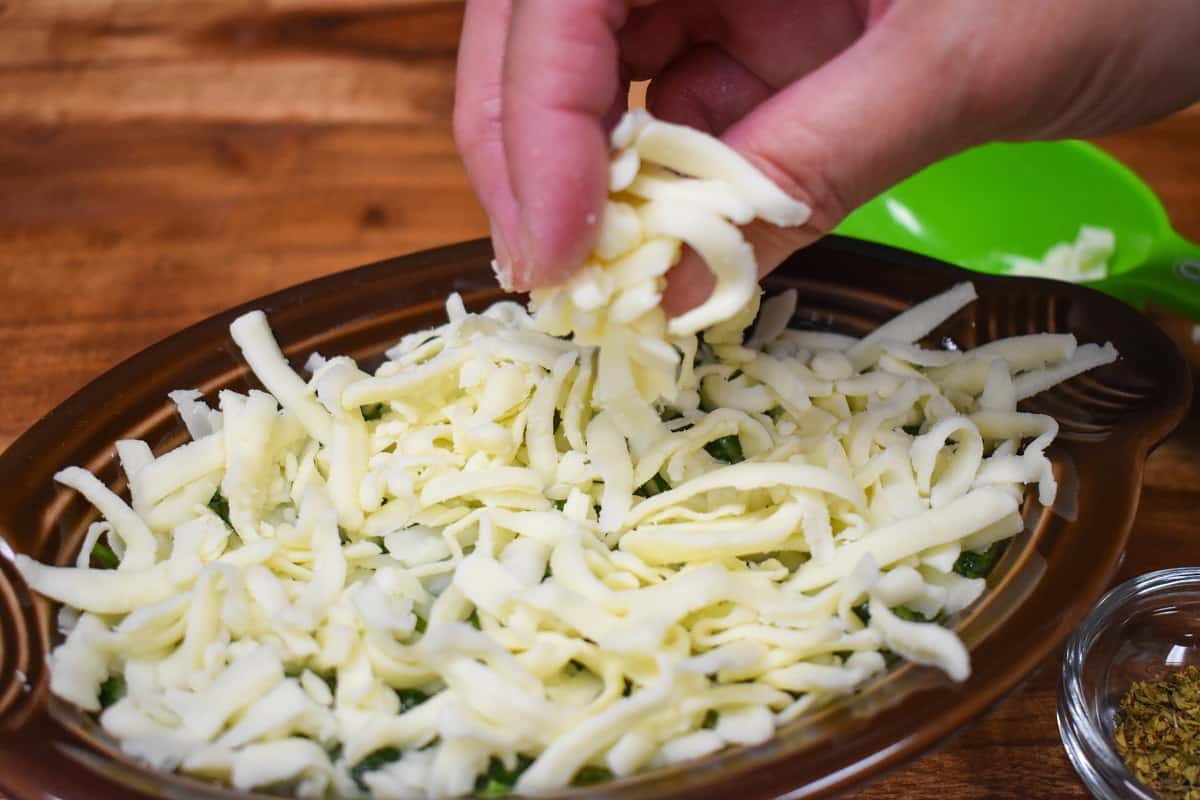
[160, 161]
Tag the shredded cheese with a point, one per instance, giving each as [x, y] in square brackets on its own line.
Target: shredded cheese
[671, 185]
[508, 553]
[1084, 260]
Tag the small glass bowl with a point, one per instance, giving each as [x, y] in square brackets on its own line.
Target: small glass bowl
[1139, 630]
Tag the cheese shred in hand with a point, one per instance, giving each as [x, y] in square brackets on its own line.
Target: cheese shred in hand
[509, 559]
[670, 185]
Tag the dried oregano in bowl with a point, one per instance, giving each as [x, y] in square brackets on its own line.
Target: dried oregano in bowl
[1157, 733]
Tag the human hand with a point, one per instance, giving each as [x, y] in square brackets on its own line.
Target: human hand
[834, 100]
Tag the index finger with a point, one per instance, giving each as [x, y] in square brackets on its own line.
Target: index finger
[479, 117]
[561, 77]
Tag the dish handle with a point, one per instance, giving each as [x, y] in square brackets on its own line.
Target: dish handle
[1169, 278]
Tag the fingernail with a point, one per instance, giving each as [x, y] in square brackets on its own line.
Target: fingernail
[502, 264]
[539, 260]
[525, 263]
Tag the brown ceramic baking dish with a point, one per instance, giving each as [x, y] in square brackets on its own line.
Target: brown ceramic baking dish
[1047, 580]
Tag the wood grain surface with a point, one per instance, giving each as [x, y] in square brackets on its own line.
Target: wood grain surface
[161, 160]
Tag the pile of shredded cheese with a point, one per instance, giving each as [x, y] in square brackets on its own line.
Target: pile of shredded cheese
[480, 564]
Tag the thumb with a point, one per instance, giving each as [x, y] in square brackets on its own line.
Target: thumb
[881, 110]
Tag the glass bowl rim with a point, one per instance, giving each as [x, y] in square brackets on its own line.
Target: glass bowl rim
[1090, 750]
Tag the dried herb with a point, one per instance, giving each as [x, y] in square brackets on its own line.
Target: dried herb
[1158, 733]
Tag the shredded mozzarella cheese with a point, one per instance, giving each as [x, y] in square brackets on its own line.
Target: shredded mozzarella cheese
[670, 185]
[508, 553]
[1084, 260]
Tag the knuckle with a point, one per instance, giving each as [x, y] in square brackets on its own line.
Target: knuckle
[476, 123]
[809, 180]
